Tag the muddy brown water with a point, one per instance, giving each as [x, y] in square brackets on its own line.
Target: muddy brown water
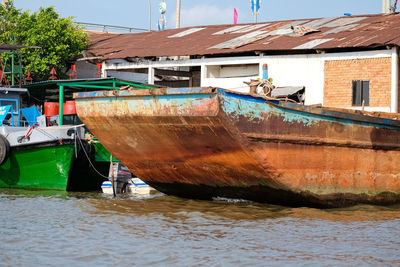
[50, 228]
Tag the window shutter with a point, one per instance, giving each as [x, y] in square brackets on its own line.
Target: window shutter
[356, 93]
[365, 92]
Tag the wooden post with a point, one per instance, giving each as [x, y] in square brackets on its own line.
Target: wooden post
[112, 175]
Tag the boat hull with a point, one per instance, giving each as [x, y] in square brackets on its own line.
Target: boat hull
[207, 142]
[38, 167]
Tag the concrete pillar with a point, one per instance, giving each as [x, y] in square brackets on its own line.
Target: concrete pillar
[104, 70]
[203, 74]
[150, 77]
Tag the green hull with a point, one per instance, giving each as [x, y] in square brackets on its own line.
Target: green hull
[38, 168]
[101, 153]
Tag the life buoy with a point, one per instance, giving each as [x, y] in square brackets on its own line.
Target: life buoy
[4, 149]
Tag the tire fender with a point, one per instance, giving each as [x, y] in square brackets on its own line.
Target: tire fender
[4, 149]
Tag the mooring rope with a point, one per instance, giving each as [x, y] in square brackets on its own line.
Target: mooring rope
[87, 156]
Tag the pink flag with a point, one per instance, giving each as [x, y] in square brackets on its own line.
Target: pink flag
[235, 16]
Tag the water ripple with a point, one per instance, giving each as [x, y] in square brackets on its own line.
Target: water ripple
[85, 229]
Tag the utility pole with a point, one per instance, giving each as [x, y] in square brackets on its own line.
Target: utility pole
[178, 14]
[386, 8]
[149, 16]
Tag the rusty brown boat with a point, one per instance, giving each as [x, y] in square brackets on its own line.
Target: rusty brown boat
[205, 143]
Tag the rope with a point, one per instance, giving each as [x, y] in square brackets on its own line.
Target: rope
[87, 156]
[265, 84]
[267, 88]
[29, 131]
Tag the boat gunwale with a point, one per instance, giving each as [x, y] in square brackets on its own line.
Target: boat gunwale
[321, 111]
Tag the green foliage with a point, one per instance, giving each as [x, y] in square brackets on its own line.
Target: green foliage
[60, 39]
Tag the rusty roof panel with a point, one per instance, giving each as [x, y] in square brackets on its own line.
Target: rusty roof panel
[343, 22]
[236, 40]
[292, 24]
[187, 32]
[341, 28]
[312, 44]
[249, 40]
[281, 31]
[231, 29]
[251, 28]
[316, 24]
[366, 31]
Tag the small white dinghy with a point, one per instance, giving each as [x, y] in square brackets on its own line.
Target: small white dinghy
[139, 187]
[124, 182]
[134, 185]
[106, 187]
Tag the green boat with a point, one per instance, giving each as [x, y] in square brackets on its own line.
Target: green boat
[37, 167]
[33, 155]
[51, 158]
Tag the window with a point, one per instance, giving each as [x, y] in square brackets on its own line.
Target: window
[360, 93]
[232, 71]
[11, 102]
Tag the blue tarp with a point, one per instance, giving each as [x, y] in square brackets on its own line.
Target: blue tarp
[3, 112]
[31, 114]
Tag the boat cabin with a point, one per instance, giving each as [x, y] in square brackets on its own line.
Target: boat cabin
[10, 106]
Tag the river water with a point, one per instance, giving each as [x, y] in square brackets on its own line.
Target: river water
[42, 228]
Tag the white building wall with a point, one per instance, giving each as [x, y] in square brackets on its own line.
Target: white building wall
[86, 70]
[291, 70]
[285, 70]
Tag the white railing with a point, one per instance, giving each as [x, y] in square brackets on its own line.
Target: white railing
[109, 28]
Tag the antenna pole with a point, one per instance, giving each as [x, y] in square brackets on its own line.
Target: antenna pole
[178, 14]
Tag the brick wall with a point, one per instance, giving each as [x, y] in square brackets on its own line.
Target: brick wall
[339, 75]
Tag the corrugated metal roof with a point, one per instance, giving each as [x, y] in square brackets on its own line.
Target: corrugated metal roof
[322, 33]
[187, 32]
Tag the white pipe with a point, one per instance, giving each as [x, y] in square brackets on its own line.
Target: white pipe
[394, 105]
[178, 14]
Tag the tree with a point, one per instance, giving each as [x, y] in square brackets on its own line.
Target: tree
[60, 39]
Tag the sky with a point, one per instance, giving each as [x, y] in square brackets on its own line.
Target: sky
[135, 13]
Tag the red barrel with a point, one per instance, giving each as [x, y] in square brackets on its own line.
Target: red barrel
[50, 108]
[69, 107]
